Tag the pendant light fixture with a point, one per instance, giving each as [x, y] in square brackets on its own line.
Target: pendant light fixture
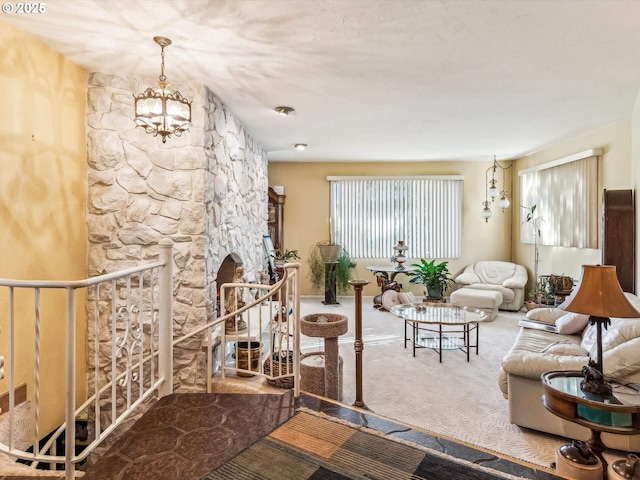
[162, 111]
[492, 191]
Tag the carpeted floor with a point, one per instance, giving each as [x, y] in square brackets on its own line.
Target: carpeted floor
[309, 446]
[454, 399]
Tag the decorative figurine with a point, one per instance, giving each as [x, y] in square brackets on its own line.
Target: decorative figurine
[234, 302]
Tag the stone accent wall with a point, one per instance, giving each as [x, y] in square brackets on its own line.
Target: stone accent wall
[206, 190]
[237, 202]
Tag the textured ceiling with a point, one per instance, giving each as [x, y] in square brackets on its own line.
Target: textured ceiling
[375, 80]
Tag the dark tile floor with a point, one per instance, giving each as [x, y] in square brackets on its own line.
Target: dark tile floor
[186, 436]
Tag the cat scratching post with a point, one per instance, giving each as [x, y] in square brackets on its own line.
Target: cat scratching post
[321, 373]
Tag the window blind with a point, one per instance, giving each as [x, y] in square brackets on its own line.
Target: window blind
[370, 214]
[566, 196]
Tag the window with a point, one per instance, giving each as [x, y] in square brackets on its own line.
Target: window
[566, 195]
[370, 214]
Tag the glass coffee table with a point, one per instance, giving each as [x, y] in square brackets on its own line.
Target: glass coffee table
[440, 326]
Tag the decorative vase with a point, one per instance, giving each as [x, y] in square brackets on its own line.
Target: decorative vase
[400, 257]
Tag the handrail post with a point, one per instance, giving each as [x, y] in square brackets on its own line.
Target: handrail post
[296, 326]
[358, 344]
[165, 318]
[70, 414]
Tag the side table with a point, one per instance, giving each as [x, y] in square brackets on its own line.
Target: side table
[616, 413]
[386, 274]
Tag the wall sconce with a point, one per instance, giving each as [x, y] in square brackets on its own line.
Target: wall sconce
[161, 111]
[492, 191]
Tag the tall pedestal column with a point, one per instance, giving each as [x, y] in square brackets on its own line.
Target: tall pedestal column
[358, 344]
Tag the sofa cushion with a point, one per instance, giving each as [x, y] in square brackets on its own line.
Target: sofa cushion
[565, 348]
[545, 315]
[571, 323]
[621, 330]
[494, 272]
[623, 361]
[468, 277]
[527, 360]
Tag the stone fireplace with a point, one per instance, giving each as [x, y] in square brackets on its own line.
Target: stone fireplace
[225, 275]
[206, 190]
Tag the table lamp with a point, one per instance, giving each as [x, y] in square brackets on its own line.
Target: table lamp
[600, 296]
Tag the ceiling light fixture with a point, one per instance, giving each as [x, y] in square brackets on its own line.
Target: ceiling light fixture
[284, 111]
[492, 191]
[161, 111]
[300, 146]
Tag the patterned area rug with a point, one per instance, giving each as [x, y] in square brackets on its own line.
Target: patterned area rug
[316, 447]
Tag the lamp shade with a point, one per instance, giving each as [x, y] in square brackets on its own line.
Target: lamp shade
[599, 294]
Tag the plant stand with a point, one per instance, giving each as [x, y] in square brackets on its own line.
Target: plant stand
[330, 296]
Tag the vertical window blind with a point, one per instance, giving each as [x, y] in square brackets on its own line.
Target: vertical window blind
[370, 214]
[566, 199]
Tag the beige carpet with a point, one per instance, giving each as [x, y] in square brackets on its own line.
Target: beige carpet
[454, 398]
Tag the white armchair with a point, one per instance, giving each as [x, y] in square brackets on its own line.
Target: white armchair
[507, 278]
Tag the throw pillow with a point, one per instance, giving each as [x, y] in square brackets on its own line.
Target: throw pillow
[566, 349]
[545, 315]
[571, 323]
[407, 297]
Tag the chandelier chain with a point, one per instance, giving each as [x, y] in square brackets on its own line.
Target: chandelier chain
[162, 76]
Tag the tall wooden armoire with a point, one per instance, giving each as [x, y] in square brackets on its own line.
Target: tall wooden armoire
[619, 235]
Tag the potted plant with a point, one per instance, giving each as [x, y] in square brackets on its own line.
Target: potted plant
[536, 294]
[434, 276]
[533, 221]
[280, 258]
[338, 274]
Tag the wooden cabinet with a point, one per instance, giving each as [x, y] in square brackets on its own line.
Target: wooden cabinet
[619, 235]
[275, 219]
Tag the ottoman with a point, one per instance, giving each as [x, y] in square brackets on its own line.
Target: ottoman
[485, 300]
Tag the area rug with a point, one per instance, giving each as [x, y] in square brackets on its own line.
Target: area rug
[453, 399]
[309, 446]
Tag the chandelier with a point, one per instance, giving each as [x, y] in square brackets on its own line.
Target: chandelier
[161, 111]
[492, 192]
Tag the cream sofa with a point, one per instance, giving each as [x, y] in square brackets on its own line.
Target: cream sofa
[507, 278]
[537, 351]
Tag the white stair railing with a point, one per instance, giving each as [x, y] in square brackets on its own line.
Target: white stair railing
[136, 305]
[140, 350]
[272, 317]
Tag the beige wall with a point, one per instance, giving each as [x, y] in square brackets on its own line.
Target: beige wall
[614, 173]
[306, 211]
[42, 191]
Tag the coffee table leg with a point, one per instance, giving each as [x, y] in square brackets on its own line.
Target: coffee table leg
[467, 339]
[415, 331]
[477, 337]
[405, 332]
[440, 345]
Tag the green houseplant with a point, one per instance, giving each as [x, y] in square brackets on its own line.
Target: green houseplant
[280, 258]
[434, 276]
[533, 221]
[324, 254]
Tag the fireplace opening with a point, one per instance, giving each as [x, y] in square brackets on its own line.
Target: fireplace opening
[225, 274]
